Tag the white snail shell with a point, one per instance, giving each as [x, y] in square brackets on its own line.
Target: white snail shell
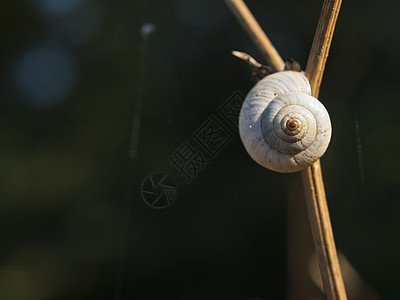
[281, 125]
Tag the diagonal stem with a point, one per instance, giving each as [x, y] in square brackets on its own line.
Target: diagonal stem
[312, 176]
[321, 44]
[250, 24]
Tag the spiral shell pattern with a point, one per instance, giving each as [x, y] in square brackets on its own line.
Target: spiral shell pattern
[283, 127]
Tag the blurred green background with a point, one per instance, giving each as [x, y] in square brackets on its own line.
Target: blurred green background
[74, 76]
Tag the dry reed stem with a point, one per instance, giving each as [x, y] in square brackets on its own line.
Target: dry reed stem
[312, 176]
[321, 44]
[250, 24]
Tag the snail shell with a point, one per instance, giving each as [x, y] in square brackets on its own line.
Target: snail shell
[281, 125]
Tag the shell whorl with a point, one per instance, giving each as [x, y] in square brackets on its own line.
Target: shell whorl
[281, 125]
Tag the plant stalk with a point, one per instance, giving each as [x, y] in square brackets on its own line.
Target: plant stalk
[312, 176]
[250, 24]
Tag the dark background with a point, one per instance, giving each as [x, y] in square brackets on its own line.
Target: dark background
[74, 76]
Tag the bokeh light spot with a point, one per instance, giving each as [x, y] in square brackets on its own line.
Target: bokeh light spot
[44, 76]
[147, 29]
[58, 7]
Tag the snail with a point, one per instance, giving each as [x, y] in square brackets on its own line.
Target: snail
[283, 127]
